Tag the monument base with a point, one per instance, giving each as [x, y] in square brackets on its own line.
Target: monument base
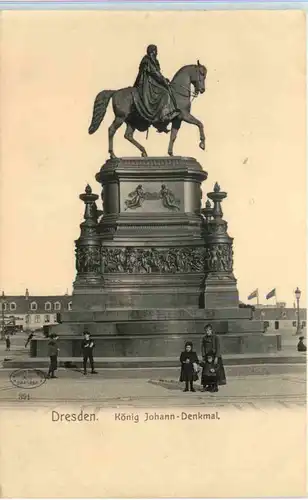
[158, 333]
[154, 267]
[156, 348]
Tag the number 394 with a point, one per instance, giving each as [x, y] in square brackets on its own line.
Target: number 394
[23, 396]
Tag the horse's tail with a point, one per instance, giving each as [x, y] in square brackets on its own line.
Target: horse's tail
[100, 107]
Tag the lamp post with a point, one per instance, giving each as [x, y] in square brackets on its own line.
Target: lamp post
[298, 296]
[2, 315]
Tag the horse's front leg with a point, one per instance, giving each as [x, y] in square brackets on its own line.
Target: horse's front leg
[129, 135]
[117, 122]
[188, 118]
[176, 124]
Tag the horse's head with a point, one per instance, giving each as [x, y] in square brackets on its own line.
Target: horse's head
[198, 77]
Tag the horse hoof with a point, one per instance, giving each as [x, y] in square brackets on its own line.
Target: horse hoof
[202, 145]
[112, 156]
[170, 153]
[144, 155]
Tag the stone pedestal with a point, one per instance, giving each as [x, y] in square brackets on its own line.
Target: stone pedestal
[154, 266]
[151, 235]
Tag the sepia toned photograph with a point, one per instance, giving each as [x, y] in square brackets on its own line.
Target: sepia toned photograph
[153, 251]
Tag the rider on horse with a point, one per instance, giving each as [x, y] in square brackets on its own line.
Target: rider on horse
[154, 99]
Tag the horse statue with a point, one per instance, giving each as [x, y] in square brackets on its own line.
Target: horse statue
[125, 109]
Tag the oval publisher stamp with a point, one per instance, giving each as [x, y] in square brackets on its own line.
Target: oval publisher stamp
[29, 378]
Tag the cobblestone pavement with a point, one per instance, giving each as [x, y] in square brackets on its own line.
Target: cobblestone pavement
[282, 391]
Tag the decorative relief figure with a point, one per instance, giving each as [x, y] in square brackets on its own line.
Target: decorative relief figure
[137, 197]
[219, 258]
[88, 259]
[168, 198]
[153, 260]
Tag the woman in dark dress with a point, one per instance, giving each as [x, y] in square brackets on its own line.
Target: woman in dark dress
[211, 347]
[189, 367]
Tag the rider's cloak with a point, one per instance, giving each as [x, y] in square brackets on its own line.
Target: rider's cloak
[154, 100]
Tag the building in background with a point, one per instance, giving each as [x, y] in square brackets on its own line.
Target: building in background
[280, 318]
[32, 312]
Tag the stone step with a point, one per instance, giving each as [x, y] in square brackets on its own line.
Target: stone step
[257, 360]
[151, 329]
[186, 327]
[118, 315]
[156, 344]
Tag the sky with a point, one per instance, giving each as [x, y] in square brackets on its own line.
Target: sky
[52, 66]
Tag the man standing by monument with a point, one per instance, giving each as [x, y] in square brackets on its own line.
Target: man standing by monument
[154, 101]
[87, 349]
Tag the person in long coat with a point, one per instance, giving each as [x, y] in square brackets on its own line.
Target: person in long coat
[189, 367]
[210, 346]
[154, 100]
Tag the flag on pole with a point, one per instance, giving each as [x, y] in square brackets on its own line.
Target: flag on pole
[271, 294]
[254, 294]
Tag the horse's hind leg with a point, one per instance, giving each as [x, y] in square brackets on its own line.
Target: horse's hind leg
[129, 135]
[117, 122]
[176, 124]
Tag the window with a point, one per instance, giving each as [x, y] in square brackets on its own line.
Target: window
[12, 306]
[276, 325]
[57, 306]
[3, 306]
[27, 319]
[69, 306]
[47, 318]
[33, 306]
[47, 306]
[303, 324]
[293, 323]
[55, 318]
[37, 318]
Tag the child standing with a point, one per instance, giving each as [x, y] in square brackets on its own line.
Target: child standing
[53, 352]
[189, 367]
[209, 377]
[7, 342]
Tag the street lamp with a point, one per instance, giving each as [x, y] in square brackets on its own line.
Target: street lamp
[2, 314]
[298, 296]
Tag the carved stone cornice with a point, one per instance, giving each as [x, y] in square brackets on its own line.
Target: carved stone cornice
[164, 168]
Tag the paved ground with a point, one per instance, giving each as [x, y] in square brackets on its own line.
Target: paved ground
[243, 392]
[284, 390]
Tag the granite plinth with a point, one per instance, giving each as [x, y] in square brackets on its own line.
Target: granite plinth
[93, 314]
[155, 346]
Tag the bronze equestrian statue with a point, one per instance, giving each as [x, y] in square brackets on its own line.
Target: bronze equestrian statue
[153, 100]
